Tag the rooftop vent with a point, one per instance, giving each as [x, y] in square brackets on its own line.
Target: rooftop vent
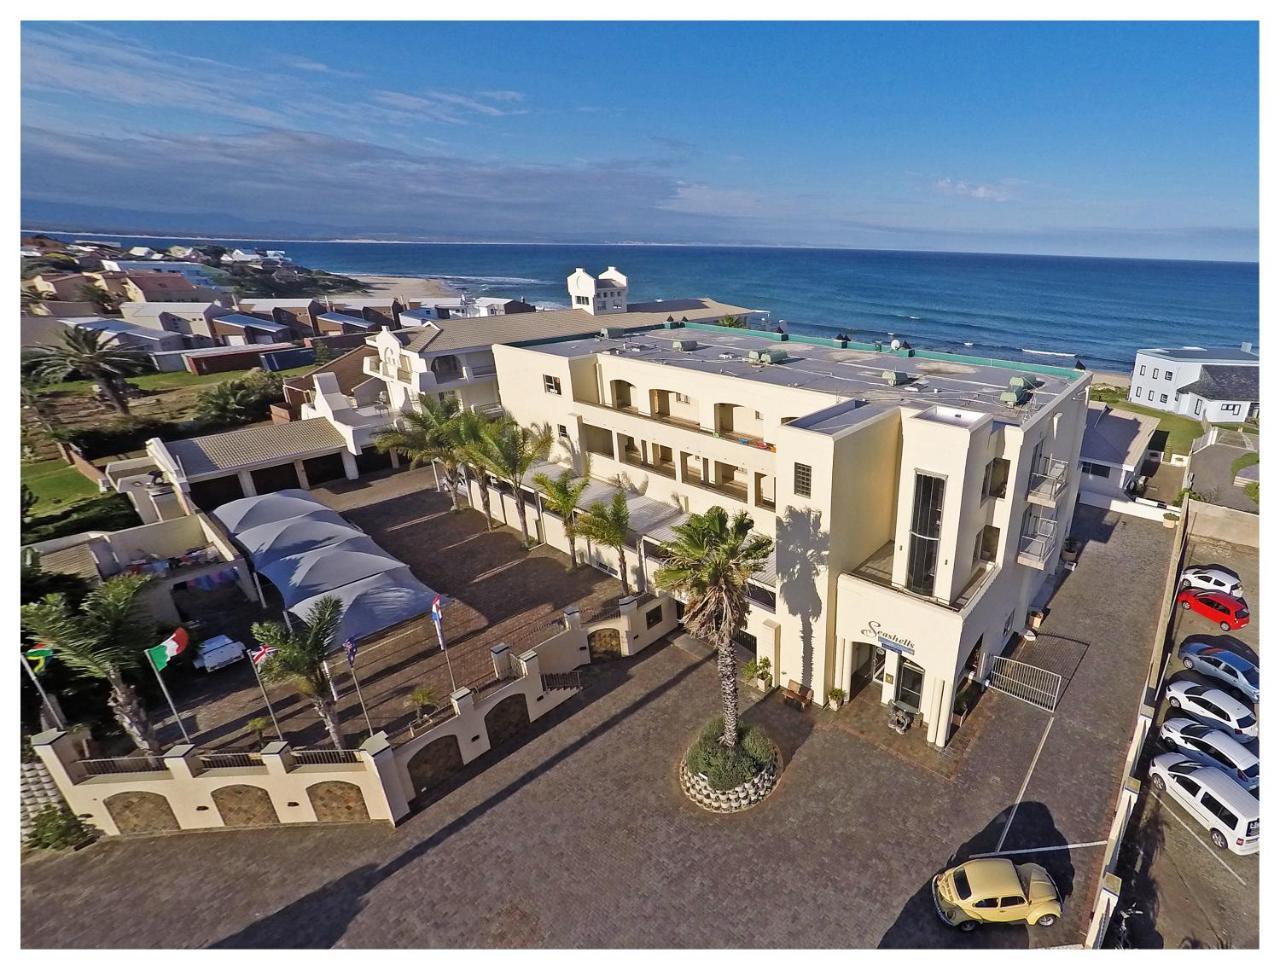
[1014, 397]
[684, 345]
[611, 333]
[1023, 381]
[895, 377]
[774, 355]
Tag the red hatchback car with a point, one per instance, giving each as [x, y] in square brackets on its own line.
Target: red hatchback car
[1226, 611]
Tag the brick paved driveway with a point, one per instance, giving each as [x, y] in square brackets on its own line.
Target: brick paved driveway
[580, 837]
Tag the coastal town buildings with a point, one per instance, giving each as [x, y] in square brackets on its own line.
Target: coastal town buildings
[1218, 385]
[919, 502]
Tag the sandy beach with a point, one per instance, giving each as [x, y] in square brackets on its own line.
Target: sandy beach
[1111, 379]
[404, 287]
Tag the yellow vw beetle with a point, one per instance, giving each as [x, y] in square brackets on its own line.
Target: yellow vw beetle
[996, 891]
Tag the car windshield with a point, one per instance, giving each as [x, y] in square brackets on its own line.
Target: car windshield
[963, 889]
[1247, 722]
[1251, 771]
[1251, 675]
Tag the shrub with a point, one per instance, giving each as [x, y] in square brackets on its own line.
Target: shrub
[758, 669]
[727, 768]
[55, 827]
[240, 399]
[119, 435]
[106, 514]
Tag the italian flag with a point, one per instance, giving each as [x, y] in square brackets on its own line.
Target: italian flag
[161, 655]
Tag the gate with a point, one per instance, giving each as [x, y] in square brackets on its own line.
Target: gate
[1035, 685]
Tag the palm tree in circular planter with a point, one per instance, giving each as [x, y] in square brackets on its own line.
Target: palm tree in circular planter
[708, 565]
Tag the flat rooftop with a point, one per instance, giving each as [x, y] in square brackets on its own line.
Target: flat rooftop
[1225, 355]
[854, 376]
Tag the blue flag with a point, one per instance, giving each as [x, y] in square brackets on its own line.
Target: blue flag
[350, 647]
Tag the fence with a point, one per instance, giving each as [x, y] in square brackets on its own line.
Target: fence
[1109, 883]
[230, 759]
[1034, 685]
[91, 767]
[327, 756]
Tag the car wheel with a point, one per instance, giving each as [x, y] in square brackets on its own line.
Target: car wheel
[1187, 662]
[1218, 839]
[1186, 584]
[1226, 627]
[968, 926]
[1157, 782]
[1048, 919]
[1174, 702]
[1186, 605]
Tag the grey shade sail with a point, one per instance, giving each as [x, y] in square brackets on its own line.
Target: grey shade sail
[313, 572]
[374, 604]
[289, 537]
[246, 513]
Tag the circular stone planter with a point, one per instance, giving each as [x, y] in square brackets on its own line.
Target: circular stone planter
[750, 792]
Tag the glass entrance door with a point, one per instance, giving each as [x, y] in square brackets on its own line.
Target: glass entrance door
[910, 685]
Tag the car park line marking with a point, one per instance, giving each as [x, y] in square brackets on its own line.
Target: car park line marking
[1210, 849]
[1023, 790]
[1065, 847]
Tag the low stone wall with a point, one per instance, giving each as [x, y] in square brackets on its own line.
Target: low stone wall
[736, 799]
[1224, 524]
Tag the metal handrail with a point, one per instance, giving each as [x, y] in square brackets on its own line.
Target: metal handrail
[120, 766]
[231, 759]
[327, 756]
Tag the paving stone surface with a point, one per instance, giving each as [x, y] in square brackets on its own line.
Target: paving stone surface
[580, 837]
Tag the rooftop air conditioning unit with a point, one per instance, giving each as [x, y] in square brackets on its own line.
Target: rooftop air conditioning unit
[774, 355]
[684, 345]
[1023, 382]
[611, 333]
[1017, 395]
[895, 377]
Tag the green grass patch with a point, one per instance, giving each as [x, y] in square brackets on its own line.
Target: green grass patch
[1247, 460]
[105, 513]
[167, 381]
[1175, 433]
[1251, 490]
[56, 484]
[727, 768]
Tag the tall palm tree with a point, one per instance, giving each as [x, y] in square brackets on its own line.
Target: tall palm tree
[95, 356]
[227, 402]
[512, 449]
[299, 659]
[102, 639]
[610, 525]
[431, 434]
[708, 564]
[477, 458]
[561, 495]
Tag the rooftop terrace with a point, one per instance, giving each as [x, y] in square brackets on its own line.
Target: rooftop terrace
[952, 383]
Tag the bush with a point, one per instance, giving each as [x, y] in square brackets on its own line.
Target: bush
[119, 435]
[241, 399]
[727, 768]
[55, 827]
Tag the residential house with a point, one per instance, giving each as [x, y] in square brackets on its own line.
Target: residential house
[1218, 385]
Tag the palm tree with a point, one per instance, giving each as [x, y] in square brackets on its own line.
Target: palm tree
[227, 402]
[299, 659]
[95, 356]
[102, 639]
[708, 564]
[432, 433]
[561, 495]
[610, 525]
[476, 457]
[512, 450]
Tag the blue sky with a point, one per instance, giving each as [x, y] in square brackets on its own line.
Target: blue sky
[1105, 139]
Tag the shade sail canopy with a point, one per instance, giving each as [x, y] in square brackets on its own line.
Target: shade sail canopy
[289, 537]
[314, 572]
[246, 513]
[374, 604]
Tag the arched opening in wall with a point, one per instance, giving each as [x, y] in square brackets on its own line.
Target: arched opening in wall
[435, 764]
[508, 719]
[245, 805]
[673, 406]
[740, 421]
[337, 801]
[862, 660]
[140, 812]
[622, 394]
[446, 368]
[604, 644]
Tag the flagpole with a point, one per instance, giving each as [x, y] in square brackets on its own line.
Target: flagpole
[181, 727]
[263, 687]
[439, 625]
[367, 722]
[48, 705]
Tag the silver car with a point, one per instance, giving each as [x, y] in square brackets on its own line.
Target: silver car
[1212, 747]
[1212, 705]
[1222, 664]
[1214, 579]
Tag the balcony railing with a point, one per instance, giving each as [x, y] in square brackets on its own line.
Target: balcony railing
[751, 441]
[1047, 481]
[878, 569]
[1037, 542]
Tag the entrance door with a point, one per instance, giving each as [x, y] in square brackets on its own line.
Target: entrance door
[910, 685]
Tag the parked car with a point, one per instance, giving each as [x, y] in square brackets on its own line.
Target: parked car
[1212, 705]
[996, 891]
[1215, 801]
[1226, 611]
[1212, 747]
[1222, 664]
[1213, 579]
[218, 652]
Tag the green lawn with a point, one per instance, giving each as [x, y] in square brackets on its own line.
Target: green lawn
[1175, 433]
[57, 485]
[168, 381]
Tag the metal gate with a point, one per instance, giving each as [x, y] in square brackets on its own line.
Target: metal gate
[1035, 685]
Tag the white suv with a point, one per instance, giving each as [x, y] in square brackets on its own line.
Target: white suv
[1212, 578]
[1215, 801]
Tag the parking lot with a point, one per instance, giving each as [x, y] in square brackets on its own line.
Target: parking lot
[1191, 894]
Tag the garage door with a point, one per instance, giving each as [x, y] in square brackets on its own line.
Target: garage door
[326, 468]
[275, 478]
[372, 460]
[212, 492]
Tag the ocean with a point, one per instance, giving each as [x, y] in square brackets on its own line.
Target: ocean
[1048, 308]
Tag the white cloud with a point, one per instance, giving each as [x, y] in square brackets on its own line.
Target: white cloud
[976, 190]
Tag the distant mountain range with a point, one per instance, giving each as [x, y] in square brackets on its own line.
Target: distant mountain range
[77, 217]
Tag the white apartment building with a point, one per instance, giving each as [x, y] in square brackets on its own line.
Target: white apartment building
[918, 502]
[1216, 384]
[606, 293]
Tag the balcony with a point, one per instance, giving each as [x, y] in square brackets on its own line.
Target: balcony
[878, 569]
[631, 458]
[741, 438]
[1048, 479]
[1038, 541]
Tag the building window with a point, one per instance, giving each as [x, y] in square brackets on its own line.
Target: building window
[996, 478]
[1231, 409]
[562, 431]
[763, 597]
[1008, 624]
[1168, 375]
[653, 618]
[804, 480]
[986, 544]
[1137, 394]
[1151, 395]
[1164, 398]
[1096, 470]
[926, 533]
[550, 384]
[1197, 407]
[1142, 371]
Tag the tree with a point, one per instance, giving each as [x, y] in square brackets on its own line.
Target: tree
[432, 433]
[561, 495]
[227, 402]
[93, 355]
[476, 456]
[708, 564]
[103, 639]
[29, 500]
[729, 320]
[610, 525]
[299, 659]
[511, 450]
[423, 698]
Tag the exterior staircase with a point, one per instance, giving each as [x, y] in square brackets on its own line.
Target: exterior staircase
[570, 681]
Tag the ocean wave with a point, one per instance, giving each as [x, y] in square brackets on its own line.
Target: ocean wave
[1046, 353]
[497, 280]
